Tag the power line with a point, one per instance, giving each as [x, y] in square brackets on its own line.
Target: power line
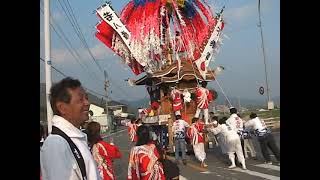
[68, 76]
[77, 28]
[71, 49]
[71, 18]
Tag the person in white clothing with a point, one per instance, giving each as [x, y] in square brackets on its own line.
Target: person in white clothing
[248, 145]
[234, 121]
[264, 136]
[70, 106]
[236, 124]
[232, 142]
[179, 131]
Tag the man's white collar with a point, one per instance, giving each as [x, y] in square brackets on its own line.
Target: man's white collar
[67, 127]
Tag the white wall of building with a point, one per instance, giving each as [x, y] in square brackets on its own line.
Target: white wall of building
[117, 111]
[97, 111]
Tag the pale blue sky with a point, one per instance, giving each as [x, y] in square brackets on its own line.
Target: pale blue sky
[241, 54]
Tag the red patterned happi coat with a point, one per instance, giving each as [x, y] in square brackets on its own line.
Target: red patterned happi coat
[204, 97]
[103, 153]
[195, 133]
[132, 131]
[144, 164]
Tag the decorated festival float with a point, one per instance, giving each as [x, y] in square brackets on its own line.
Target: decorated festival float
[173, 43]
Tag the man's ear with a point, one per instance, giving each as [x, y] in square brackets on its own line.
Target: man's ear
[61, 106]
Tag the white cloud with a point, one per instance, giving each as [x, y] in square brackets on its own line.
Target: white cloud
[241, 14]
[100, 51]
[61, 55]
[248, 12]
[57, 17]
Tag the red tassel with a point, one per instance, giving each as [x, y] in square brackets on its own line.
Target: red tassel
[126, 11]
[206, 13]
[103, 39]
[105, 29]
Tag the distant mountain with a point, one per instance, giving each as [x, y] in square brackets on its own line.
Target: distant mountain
[246, 102]
[136, 103]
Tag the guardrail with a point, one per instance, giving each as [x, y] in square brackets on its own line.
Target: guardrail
[270, 122]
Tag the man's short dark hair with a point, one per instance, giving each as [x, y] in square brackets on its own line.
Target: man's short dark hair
[194, 119]
[215, 118]
[204, 84]
[178, 117]
[253, 115]
[223, 120]
[143, 135]
[132, 120]
[233, 110]
[59, 92]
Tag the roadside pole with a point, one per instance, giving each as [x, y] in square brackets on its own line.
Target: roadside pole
[47, 61]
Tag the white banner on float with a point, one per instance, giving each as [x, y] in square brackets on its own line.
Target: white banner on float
[204, 60]
[109, 16]
[212, 42]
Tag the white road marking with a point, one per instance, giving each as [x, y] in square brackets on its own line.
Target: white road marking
[269, 166]
[254, 173]
[182, 178]
[206, 172]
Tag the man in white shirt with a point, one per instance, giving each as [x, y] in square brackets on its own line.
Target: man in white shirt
[264, 137]
[236, 124]
[70, 106]
[231, 142]
[234, 121]
[179, 131]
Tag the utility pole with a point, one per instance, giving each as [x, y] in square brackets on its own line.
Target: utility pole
[106, 85]
[47, 61]
[239, 106]
[270, 103]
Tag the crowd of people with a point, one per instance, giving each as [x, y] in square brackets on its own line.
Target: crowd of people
[69, 153]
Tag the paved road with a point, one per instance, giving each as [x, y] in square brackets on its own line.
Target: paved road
[217, 168]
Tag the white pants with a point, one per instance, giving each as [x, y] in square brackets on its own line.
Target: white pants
[235, 147]
[205, 113]
[249, 146]
[199, 151]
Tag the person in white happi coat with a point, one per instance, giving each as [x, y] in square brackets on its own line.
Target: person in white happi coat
[231, 142]
[236, 124]
[264, 136]
[234, 121]
[248, 144]
[179, 131]
[221, 138]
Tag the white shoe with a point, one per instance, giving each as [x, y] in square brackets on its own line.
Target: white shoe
[232, 166]
[203, 164]
[244, 167]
